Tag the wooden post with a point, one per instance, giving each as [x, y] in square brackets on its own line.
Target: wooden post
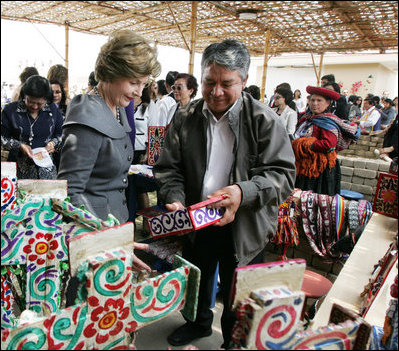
[318, 74]
[66, 87]
[194, 6]
[315, 71]
[266, 54]
[320, 65]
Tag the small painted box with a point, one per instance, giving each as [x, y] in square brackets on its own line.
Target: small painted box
[183, 221]
[201, 216]
[259, 316]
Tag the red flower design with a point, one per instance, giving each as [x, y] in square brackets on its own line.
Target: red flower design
[388, 195]
[107, 319]
[41, 247]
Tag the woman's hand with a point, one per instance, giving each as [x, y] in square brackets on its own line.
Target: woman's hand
[27, 150]
[139, 265]
[231, 203]
[50, 147]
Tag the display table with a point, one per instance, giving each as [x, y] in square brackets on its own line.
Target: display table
[371, 247]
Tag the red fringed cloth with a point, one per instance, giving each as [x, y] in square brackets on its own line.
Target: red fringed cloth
[309, 163]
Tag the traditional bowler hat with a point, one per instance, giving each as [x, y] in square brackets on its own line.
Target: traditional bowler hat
[327, 93]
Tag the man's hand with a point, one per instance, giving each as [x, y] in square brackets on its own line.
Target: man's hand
[174, 206]
[231, 203]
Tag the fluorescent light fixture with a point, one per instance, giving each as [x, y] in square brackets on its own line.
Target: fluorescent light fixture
[247, 15]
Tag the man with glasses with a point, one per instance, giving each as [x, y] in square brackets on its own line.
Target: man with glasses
[226, 143]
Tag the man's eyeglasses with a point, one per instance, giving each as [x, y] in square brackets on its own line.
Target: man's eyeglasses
[177, 87]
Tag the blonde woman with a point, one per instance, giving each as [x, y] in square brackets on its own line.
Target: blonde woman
[97, 151]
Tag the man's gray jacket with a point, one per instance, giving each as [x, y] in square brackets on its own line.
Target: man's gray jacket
[263, 167]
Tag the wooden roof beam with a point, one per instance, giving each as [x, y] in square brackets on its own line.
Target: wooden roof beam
[255, 22]
[178, 27]
[332, 5]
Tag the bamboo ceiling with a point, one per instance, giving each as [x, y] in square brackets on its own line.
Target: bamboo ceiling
[295, 26]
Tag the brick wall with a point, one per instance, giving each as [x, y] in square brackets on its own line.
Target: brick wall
[360, 169]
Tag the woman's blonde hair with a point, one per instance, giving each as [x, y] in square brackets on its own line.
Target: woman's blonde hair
[126, 55]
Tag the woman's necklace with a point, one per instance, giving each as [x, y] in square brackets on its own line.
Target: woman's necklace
[118, 115]
[32, 135]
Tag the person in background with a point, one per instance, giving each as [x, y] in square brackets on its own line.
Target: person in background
[254, 91]
[289, 117]
[286, 86]
[153, 90]
[387, 113]
[30, 123]
[91, 83]
[345, 93]
[355, 110]
[395, 101]
[167, 101]
[185, 89]
[339, 107]
[59, 96]
[161, 89]
[138, 188]
[143, 110]
[315, 143]
[60, 73]
[377, 104]
[300, 105]
[390, 144]
[25, 74]
[226, 143]
[327, 79]
[370, 120]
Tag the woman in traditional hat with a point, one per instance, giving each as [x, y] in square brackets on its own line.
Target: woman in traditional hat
[319, 135]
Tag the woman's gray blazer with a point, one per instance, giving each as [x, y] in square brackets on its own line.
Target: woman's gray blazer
[96, 156]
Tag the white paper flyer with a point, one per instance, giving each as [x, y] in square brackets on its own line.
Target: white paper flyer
[41, 157]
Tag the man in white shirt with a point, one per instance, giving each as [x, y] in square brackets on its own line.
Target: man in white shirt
[371, 118]
[226, 143]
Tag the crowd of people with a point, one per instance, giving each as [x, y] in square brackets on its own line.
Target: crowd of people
[225, 143]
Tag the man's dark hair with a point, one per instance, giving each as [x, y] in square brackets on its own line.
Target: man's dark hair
[376, 99]
[329, 77]
[254, 91]
[161, 87]
[370, 99]
[171, 77]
